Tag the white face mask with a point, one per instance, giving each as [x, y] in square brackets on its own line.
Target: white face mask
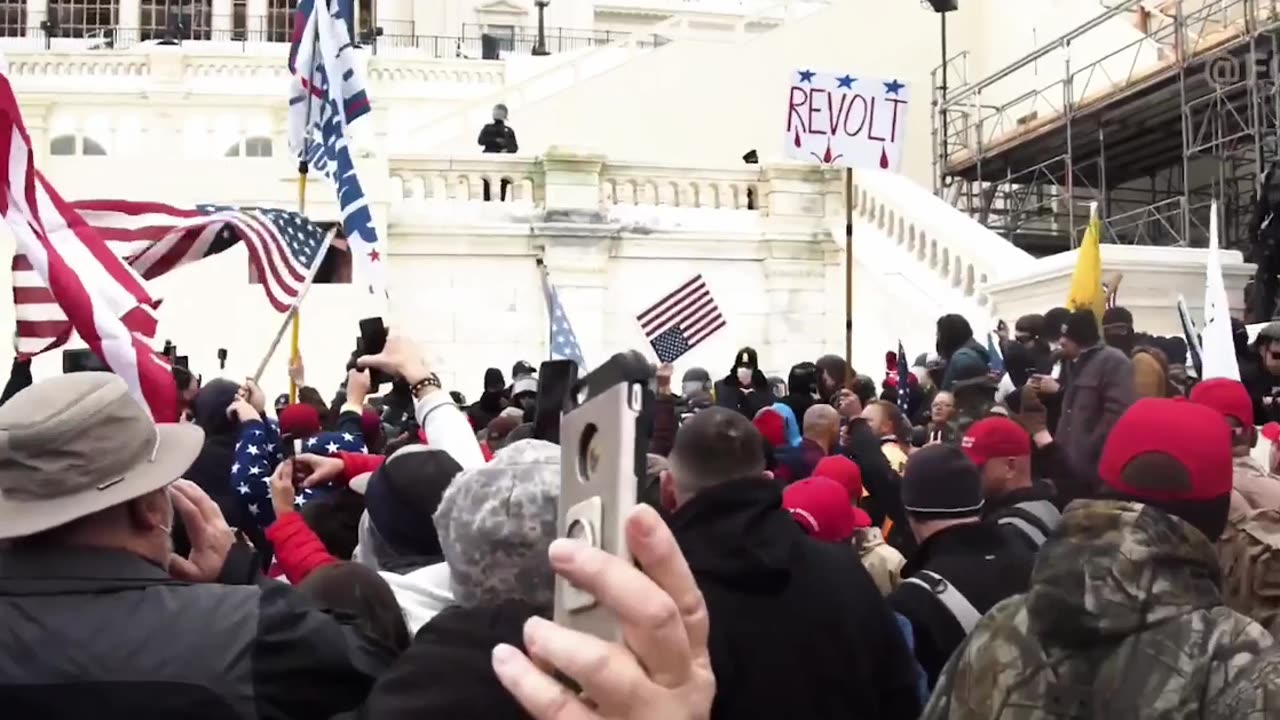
[744, 376]
[692, 386]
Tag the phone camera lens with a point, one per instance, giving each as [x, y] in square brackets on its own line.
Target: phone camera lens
[588, 453]
[580, 530]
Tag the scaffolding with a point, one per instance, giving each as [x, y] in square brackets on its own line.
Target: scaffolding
[1153, 131]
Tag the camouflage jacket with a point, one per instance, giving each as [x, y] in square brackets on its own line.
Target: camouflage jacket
[1124, 621]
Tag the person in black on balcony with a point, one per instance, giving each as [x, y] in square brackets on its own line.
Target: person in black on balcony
[498, 137]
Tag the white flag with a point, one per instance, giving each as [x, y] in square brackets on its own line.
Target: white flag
[1219, 348]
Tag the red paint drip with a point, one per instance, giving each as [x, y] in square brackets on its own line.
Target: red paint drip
[884, 159]
[826, 157]
[797, 137]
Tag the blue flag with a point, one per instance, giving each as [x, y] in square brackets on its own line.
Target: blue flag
[563, 341]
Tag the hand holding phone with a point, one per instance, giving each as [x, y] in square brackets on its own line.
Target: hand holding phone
[373, 340]
[602, 457]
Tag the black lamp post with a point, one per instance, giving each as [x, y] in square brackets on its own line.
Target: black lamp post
[540, 45]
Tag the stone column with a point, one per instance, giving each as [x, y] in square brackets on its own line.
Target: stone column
[129, 20]
[37, 12]
[575, 247]
[220, 23]
[571, 182]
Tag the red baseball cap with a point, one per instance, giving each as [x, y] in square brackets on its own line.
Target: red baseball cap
[844, 471]
[821, 506]
[1271, 431]
[995, 437]
[1191, 434]
[1228, 397]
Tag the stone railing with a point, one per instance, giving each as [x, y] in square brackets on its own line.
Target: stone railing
[595, 181]
[958, 250]
[194, 69]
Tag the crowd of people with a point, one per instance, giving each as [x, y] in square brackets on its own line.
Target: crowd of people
[1064, 523]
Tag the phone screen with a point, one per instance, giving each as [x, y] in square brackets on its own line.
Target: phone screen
[555, 382]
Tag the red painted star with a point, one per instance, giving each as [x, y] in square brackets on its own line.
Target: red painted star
[373, 256]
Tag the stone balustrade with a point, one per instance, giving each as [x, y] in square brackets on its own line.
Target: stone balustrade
[436, 179]
[960, 253]
[196, 69]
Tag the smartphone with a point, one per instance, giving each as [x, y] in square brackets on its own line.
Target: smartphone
[82, 361]
[373, 338]
[291, 447]
[603, 447]
[555, 384]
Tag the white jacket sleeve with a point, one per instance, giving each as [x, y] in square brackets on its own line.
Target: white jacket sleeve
[447, 429]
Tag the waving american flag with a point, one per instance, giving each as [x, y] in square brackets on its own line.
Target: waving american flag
[95, 292]
[681, 320]
[154, 238]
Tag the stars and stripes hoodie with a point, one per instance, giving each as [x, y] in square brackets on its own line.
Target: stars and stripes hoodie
[258, 452]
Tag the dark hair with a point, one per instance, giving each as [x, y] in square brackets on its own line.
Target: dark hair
[715, 446]
[182, 377]
[359, 591]
[336, 521]
[1053, 322]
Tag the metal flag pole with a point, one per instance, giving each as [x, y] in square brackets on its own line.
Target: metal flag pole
[291, 318]
[303, 166]
[848, 266]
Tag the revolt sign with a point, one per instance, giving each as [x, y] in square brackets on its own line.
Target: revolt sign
[846, 121]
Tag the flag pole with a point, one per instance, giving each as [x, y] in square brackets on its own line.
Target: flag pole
[546, 300]
[303, 163]
[291, 318]
[848, 266]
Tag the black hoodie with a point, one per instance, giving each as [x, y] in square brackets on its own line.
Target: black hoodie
[212, 467]
[798, 627]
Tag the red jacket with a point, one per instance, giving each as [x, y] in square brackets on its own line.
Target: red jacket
[299, 551]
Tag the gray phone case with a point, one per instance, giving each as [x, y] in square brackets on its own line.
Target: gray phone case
[599, 453]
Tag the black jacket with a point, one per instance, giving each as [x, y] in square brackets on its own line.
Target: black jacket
[798, 628]
[498, 137]
[882, 483]
[730, 394]
[107, 634]
[984, 565]
[448, 673]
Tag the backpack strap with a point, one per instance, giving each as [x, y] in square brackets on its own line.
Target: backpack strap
[957, 605]
[1033, 518]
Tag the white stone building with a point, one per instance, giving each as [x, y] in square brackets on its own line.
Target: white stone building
[629, 179]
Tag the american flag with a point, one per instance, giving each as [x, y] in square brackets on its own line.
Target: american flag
[98, 294]
[154, 238]
[680, 321]
[564, 343]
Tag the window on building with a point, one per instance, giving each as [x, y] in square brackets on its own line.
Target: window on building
[176, 19]
[83, 18]
[75, 145]
[250, 147]
[13, 18]
[240, 29]
[366, 20]
[335, 269]
[279, 20]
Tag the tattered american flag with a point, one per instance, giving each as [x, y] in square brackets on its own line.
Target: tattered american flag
[680, 321]
[155, 238]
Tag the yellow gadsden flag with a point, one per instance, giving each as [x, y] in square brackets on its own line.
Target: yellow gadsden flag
[1087, 292]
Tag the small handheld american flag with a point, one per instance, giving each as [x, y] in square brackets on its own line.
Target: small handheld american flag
[680, 321]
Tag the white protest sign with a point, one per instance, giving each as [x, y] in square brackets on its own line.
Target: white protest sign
[843, 120]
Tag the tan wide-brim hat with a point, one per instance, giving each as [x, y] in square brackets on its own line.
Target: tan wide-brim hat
[76, 444]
